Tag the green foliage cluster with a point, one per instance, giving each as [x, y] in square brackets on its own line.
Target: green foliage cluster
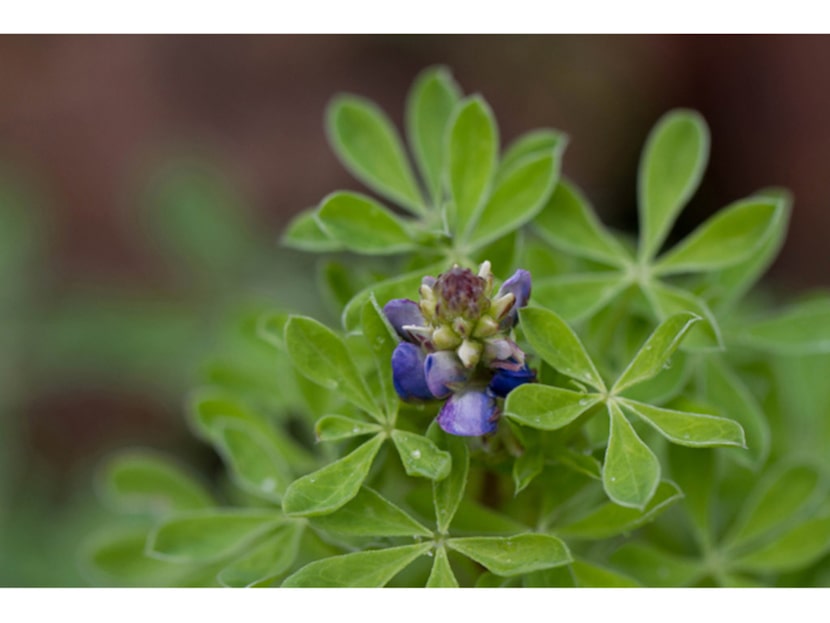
[676, 436]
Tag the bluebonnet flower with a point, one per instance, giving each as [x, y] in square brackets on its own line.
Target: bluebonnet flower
[457, 345]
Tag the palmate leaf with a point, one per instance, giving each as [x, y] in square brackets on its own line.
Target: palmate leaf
[362, 225]
[611, 519]
[801, 329]
[332, 486]
[516, 198]
[448, 493]
[322, 357]
[441, 575]
[696, 430]
[369, 146]
[631, 471]
[576, 297]
[420, 456]
[671, 167]
[796, 548]
[336, 427]
[545, 407]
[655, 353]
[147, 481]
[732, 235]
[569, 223]
[382, 342]
[268, 559]
[304, 232]
[210, 534]
[429, 109]
[471, 159]
[535, 142]
[654, 567]
[782, 496]
[513, 555]
[369, 569]
[555, 342]
[370, 514]
[256, 464]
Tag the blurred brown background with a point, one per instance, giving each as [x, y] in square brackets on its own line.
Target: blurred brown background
[86, 120]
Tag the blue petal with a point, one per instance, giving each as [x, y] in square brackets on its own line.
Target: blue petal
[469, 414]
[408, 373]
[505, 381]
[402, 312]
[443, 371]
[519, 285]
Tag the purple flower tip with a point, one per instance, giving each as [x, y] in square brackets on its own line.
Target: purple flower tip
[443, 371]
[519, 285]
[401, 312]
[469, 414]
[505, 380]
[408, 373]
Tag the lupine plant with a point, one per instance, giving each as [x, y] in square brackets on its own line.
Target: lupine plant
[514, 394]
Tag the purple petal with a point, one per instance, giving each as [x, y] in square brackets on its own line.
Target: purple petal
[505, 381]
[469, 414]
[401, 312]
[408, 373]
[443, 371]
[519, 286]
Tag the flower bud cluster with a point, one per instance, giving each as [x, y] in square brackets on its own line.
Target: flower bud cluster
[458, 345]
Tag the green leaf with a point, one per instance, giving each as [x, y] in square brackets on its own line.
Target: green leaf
[336, 427]
[725, 287]
[370, 514]
[576, 297]
[581, 463]
[694, 471]
[420, 456]
[797, 548]
[362, 225]
[211, 410]
[516, 199]
[593, 576]
[329, 488]
[657, 350]
[400, 286]
[568, 223]
[142, 480]
[527, 466]
[267, 560]
[256, 465]
[448, 493]
[556, 343]
[210, 534]
[778, 499]
[382, 342]
[303, 232]
[441, 575]
[801, 329]
[668, 301]
[513, 555]
[631, 472]
[696, 430]
[725, 390]
[546, 407]
[117, 558]
[654, 567]
[321, 356]
[472, 152]
[368, 145]
[612, 519]
[534, 142]
[369, 569]
[430, 106]
[271, 328]
[730, 236]
[671, 167]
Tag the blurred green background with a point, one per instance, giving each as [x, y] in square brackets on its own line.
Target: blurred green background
[144, 181]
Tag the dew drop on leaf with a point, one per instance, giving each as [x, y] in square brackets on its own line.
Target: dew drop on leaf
[415, 454]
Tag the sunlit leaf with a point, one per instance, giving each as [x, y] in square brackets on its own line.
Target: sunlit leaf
[631, 472]
[513, 555]
[369, 569]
